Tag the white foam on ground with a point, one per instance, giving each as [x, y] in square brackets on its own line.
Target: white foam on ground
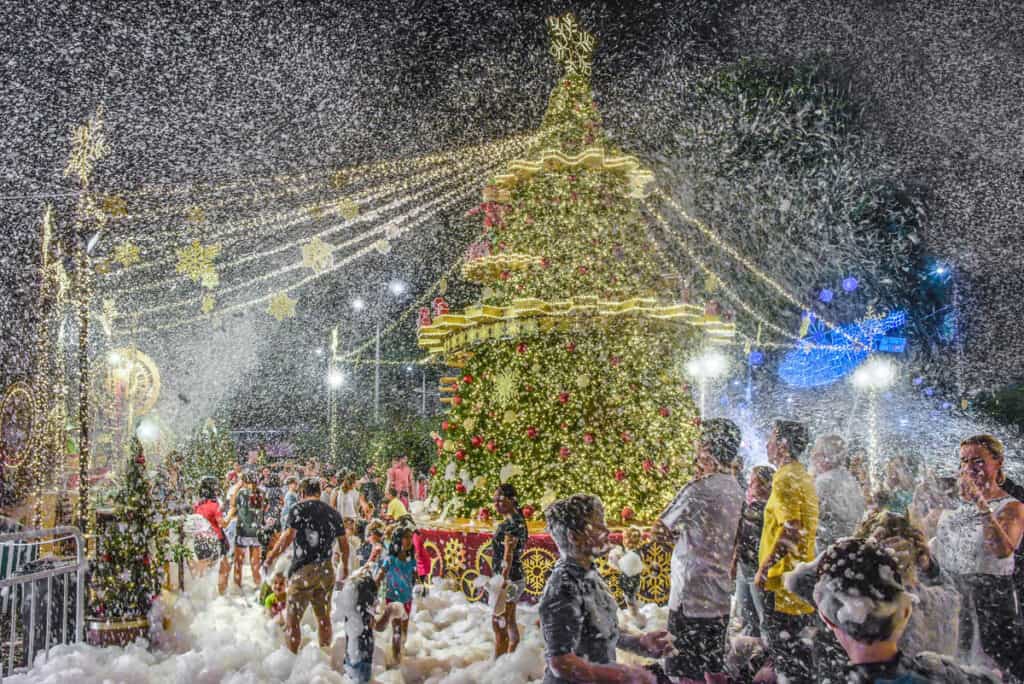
[229, 640]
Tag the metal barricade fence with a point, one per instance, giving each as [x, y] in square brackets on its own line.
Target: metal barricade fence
[26, 576]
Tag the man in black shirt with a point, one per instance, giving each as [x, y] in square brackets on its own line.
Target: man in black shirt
[314, 527]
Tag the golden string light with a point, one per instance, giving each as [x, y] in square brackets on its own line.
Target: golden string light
[390, 227]
[709, 272]
[746, 263]
[467, 168]
[353, 354]
[446, 202]
[435, 165]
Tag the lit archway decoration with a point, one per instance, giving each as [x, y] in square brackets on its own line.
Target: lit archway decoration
[132, 369]
[17, 420]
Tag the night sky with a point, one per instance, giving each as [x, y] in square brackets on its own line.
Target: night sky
[200, 96]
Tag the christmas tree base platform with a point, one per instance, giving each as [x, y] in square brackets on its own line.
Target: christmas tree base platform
[115, 632]
[460, 551]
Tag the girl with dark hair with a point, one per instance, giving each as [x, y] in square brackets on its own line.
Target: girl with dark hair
[398, 570]
[208, 548]
[249, 506]
[510, 539]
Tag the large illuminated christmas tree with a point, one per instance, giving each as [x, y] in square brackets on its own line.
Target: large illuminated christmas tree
[567, 375]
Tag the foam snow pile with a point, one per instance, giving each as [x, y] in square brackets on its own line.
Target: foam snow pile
[217, 639]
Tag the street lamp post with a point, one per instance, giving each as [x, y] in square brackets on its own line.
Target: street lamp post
[705, 368]
[876, 375]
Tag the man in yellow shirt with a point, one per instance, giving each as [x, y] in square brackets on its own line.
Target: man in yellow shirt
[787, 538]
[396, 509]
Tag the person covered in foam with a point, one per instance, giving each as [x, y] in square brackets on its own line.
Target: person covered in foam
[859, 595]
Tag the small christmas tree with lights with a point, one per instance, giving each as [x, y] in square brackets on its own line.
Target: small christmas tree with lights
[568, 375]
[126, 573]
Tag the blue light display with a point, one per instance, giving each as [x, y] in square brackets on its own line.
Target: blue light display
[830, 355]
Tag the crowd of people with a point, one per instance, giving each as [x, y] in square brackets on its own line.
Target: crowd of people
[807, 574]
[804, 570]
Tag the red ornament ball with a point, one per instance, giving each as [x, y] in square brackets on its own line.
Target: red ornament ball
[620, 474]
[570, 347]
[460, 455]
[588, 438]
[484, 515]
[627, 513]
[476, 440]
[564, 452]
[531, 432]
[582, 270]
[467, 379]
[456, 400]
[664, 412]
[527, 512]
[445, 425]
[504, 275]
[648, 465]
[460, 488]
[432, 470]
[521, 348]
[491, 446]
[563, 397]
[626, 437]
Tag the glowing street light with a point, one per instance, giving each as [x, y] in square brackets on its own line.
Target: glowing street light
[398, 287]
[358, 304]
[875, 375]
[335, 378]
[705, 368]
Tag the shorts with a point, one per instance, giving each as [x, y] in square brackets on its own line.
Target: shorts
[209, 548]
[700, 645]
[311, 584]
[246, 542]
[514, 590]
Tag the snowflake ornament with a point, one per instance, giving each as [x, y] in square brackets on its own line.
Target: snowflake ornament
[317, 255]
[571, 46]
[196, 262]
[348, 209]
[126, 254]
[208, 303]
[282, 306]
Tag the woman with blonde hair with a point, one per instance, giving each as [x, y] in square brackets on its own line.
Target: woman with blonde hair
[933, 625]
[975, 545]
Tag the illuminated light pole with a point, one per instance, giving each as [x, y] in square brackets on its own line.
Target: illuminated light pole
[705, 368]
[874, 376]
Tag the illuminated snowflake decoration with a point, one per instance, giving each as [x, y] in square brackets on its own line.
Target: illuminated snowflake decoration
[88, 145]
[114, 206]
[282, 306]
[126, 254]
[454, 556]
[208, 303]
[196, 262]
[571, 46]
[505, 388]
[339, 180]
[382, 247]
[317, 255]
[195, 215]
[348, 209]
